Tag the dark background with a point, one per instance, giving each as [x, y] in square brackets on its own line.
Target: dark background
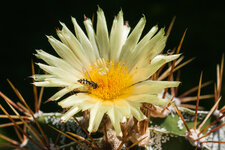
[23, 26]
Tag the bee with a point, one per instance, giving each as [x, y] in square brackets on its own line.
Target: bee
[88, 83]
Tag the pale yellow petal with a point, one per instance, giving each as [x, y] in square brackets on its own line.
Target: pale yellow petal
[91, 36]
[102, 37]
[152, 87]
[148, 50]
[64, 91]
[146, 38]
[68, 38]
[116, 36]
[155, 45]
[57, 62]
[51, 82]
[59, 72]
[147, 71]
[74, 100]
[85, 43]
[136, 112]
[147, 98]
[123, 107]
[96, 114]
[70, 113]
[42, 77]
[132, 40]
[115, 117]
[64, 52]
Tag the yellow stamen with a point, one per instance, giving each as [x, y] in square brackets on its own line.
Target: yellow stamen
[112, 79]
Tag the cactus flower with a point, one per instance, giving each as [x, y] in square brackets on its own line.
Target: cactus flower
[108, 72]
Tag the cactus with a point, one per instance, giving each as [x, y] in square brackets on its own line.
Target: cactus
[162, 122]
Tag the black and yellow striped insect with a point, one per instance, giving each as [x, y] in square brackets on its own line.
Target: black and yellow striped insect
[88, 83]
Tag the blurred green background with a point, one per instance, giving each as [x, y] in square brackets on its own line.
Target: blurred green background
[24, 25]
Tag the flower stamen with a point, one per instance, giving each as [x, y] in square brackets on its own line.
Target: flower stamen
[112, 78]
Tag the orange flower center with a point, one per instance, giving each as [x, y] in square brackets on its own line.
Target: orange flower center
[111, 78]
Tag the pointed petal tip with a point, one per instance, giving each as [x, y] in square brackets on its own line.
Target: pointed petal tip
[38, 53]
[74, 21]
[156, 27]
[38, 50]
[64, 119]
[32, 77]
[143, 19]
[37, 63]
[120, 12]
[50, 38]
[162, 30]
[61, 23]
[90, 129]
[143, 16]
[85, 18]
[99, 9]
[177, 55]
[178, 83]
[48, 101]
[100, 12]
[87, 21]
[119, 134]
[72, 18]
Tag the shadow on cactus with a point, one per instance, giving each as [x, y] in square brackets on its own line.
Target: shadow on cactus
[113, 94]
